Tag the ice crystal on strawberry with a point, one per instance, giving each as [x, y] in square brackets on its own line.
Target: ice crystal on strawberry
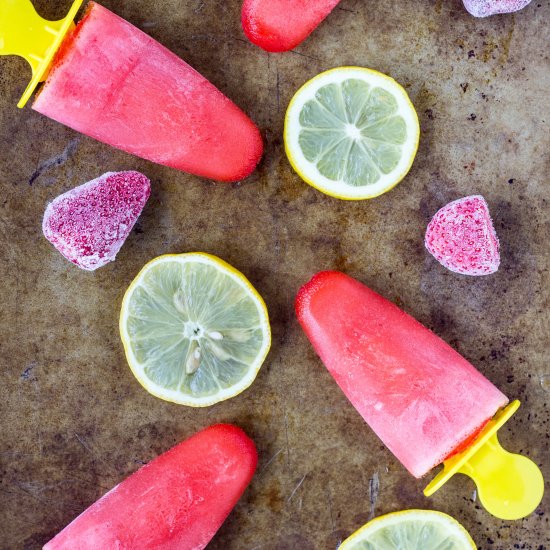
[462, 238]
[90, 223]
[484, 8]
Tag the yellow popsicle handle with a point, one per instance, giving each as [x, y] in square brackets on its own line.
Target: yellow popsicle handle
[23, 32]
[510, 486]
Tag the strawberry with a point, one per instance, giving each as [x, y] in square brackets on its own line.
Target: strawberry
[484, 8]
[90, 223]
[462, 238]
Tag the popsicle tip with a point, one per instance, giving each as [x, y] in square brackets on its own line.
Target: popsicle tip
[241, 438]
[228, 428]
[260, 32]
[249, 157]
[308, 290]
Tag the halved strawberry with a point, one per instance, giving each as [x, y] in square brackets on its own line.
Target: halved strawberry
[90, 223]
[462, 238]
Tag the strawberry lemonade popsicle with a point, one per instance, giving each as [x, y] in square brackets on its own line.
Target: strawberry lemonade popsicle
[281, 25]
[112, 82]
[422, 398]
[177, 501]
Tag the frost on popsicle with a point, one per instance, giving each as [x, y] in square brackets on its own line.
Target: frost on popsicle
[90, 223]
[484, 8]
[462, 238]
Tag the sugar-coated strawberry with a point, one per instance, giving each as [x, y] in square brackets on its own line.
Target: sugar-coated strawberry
[484, 8]
[90, 223]
[462, 238]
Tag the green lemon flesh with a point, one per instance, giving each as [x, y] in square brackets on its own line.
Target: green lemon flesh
[352, 132]
[195, 331]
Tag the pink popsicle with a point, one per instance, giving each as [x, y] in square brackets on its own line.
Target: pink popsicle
[176, 502]
[422, 398]
[280, 25]
[116, 84]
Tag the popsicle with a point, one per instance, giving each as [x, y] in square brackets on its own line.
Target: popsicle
[177, 501]
[281, 25]
[90, 223]
[112, 82]
[424, 400]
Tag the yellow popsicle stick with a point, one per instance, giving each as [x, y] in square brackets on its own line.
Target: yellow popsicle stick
[510, 486]
[23, 32]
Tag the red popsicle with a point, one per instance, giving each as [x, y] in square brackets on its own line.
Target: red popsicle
[116, 84]
[422, 398]
[176, 502]
[280, 25]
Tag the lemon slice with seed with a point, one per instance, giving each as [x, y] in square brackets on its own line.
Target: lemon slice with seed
[411, 530]
[194, 329]
[352, 133]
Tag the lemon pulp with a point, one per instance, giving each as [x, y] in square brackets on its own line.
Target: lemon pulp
[194, 329]
[351, 132]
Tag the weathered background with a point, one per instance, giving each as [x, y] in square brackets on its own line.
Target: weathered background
[75, 421]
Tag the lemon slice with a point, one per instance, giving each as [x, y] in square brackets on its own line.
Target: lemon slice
[194, 329]
[352, 133]
[411, 530]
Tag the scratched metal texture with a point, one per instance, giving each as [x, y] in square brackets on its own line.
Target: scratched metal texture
[74, 420]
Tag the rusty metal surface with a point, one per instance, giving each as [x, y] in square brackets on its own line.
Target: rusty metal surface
[75, 421]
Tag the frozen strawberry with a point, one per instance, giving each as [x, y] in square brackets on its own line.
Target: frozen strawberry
[280, 25]
[90, 223]
[484, 8]
[462, 238]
